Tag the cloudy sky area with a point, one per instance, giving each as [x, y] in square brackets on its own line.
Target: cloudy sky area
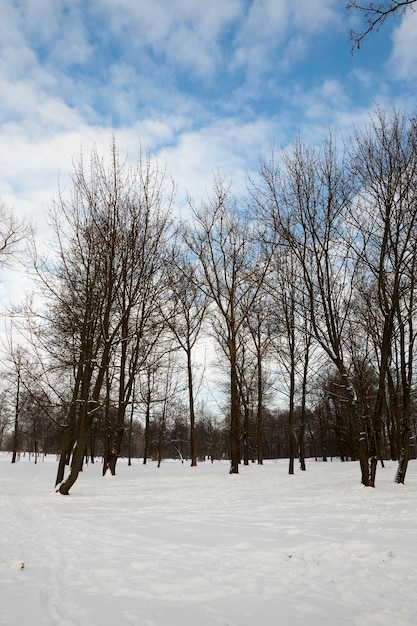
[204, 86]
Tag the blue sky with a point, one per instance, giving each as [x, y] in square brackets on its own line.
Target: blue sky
[204, 86]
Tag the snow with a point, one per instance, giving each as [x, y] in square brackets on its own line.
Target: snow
[184, 546]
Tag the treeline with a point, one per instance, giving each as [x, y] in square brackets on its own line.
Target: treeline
[304, 288]
[328, 434]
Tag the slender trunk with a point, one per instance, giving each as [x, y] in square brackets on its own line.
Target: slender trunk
[107, 427]
[35, 441]
[93, 443]
[291, 434]
[16, 421]
[323, 438]
[374, 426]
[234, 410]
[393, 420]
[130, 434]
[302, 437]
[259, 411]
[406, 360]
[246, 432]
[147, 420]
[161, 436]
[303, 415]
[191, 408]
[313, 441]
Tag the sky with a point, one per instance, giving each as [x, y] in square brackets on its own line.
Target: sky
[205, 87]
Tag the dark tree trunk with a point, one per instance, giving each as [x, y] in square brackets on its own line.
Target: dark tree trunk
[16, 421]
[234, 411]
[130, 434]
[406, 360]
[246, 433]
[84, 432]
[146, 435]
[303, 414]
[191, 408]
[291, 435]
[259, 411]
[68, 440]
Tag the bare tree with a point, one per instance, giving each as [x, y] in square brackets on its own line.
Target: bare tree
[142, 234]
[184, 313]
[5, 414]
[292, 339]
[258, 326]
[17, 358]
[385, 164]
[375, 14]
[231, 271]
[108, 234]
[156, 355]
[305, 199]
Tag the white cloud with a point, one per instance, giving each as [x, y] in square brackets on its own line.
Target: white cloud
[48, 112]
[229, 147]
[279, 24]
[316, 15]
[186, 33]
[403, 59]
[54, 29]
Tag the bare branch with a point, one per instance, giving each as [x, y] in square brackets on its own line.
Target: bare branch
[375, 14]
[12, 232]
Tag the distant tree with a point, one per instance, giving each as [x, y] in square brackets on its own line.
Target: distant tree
[184, 312]
[5, 415]
[258, 329]
[38, 420]
[17, 363]
[375, 14]
[290, 340]
[153, 386]
[166, 410]
[247, 374]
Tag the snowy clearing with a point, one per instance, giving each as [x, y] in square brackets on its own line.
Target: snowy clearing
[185, 546]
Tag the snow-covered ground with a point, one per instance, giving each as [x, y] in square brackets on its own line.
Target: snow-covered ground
[182, 546]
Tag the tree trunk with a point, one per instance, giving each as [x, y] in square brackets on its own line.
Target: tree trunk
[78, 455]
[191, 408]
[130, 434]
[303, 415]
[115, 453]
[161, 437]
[404, 456]
[406, 360]
[234, 411]
[69, 434]
[259, 411]
[291, 434]
[246, 433]
[146, 434]
[16, 421]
